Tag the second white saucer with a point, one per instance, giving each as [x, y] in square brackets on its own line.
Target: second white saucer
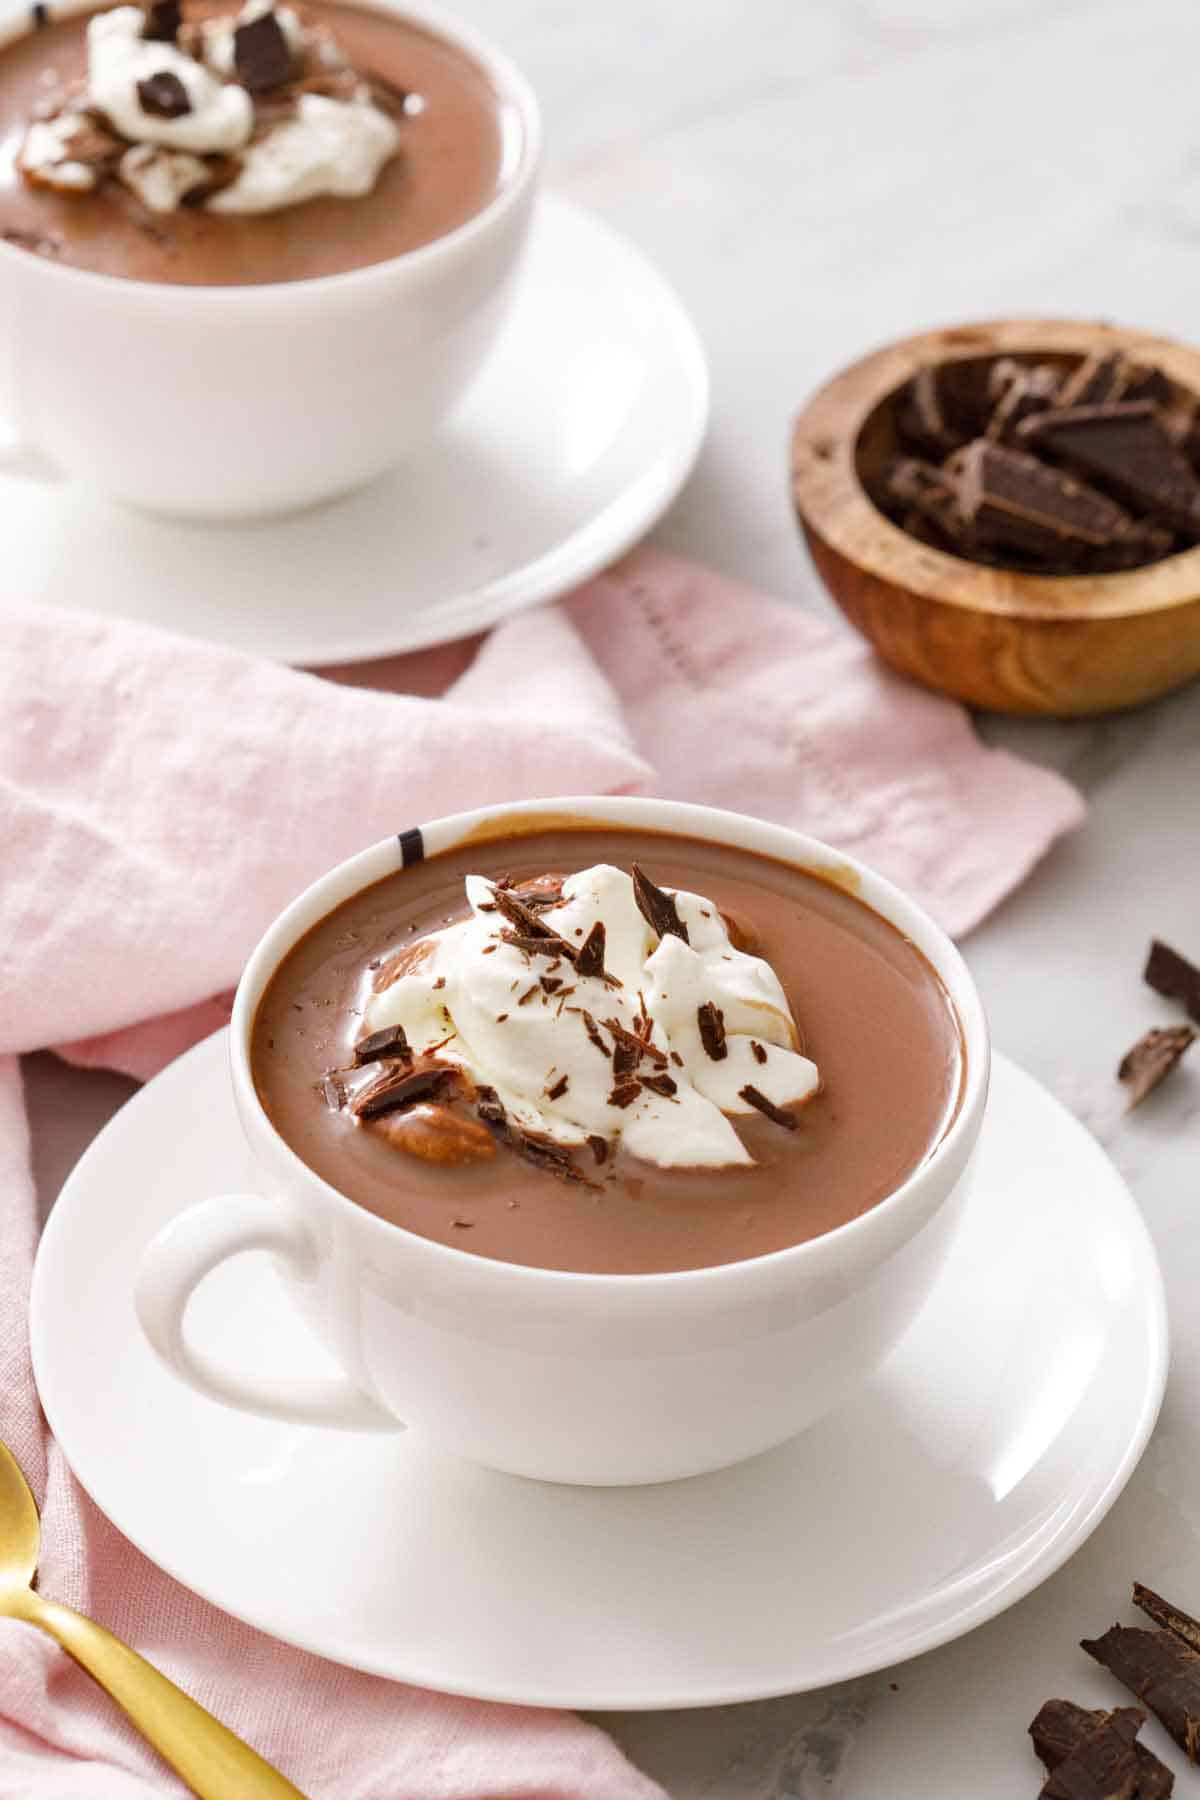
[577, 436]
[990, 1445]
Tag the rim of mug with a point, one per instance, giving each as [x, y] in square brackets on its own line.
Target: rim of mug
[511, 85]
[668, 818]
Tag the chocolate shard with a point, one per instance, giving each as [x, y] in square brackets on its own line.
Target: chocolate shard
[1172, 975]
[1152, 1058]
[559, 1089]
[1128, 449]
[589, 958]
[666, 1085]
[593, 1031]
[1105, 1765]
[262, 56]
[625, 1093]
[1162, 1671]
[1171, 1618]
[1012, 502]
[542, 1152]
[657, 908]
[711, 1023]
[398, 1085]
[1146, 383]
[162, 21]
[925, 489]
[391, 1041]
[945, 406]
[1098, 380]
[778, 1115]
[637, 1046]
[1061, 1728]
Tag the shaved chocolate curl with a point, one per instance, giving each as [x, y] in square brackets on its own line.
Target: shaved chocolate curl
[1169, 1617]
[589, 958]
[711, 1022]
[625, 1094]
[658, 909]
[777, 1114]
[1104, 1766]
[1173, 976]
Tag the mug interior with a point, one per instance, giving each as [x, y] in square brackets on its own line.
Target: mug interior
[665, 818]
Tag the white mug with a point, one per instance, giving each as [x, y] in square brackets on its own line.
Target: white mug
[233, 402]
[600, 1379]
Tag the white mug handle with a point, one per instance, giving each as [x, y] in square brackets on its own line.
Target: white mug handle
[173, 1265]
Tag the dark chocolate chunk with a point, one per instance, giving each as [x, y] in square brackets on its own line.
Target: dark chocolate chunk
[1010, 501]
[162, 21]
[778, 1114]
[559, 1089]
[262, 56]
[540, 945]
[1105, 1764]
[1145, 383]
[599, 1148]
[640, 1046]
[758, 1053]
[1169, 1617]
[1152, 1058]
[1162, 1671]
[1171, 974]
[711, 1021]
[1061, 1728]
[391, 1041]
[927, 491]
[1096, 381]
[944, 407]
[163, 96]
[666, 1085]
[658, 909]
[1129, 450]
[549, 983]
[625, 1093]
[589, 958]
[625, 1059]
[399, 1086]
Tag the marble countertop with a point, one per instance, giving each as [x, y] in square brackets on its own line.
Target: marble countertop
[816, 178]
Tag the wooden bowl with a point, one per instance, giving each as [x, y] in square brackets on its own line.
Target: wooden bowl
[1062, 644]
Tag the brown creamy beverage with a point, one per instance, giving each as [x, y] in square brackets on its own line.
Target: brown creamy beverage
[773, 1058]
[424, 145]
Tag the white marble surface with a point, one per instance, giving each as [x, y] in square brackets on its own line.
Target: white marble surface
[817, 176]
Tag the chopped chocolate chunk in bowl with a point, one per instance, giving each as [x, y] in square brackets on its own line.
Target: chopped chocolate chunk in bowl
[1010, 511]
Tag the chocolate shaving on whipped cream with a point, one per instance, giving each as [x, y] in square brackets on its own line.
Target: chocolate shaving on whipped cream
[242, 113]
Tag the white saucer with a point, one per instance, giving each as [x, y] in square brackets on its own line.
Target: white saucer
[578, 435]
[993, 1442]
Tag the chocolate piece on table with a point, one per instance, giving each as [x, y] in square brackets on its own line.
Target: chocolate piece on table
[1012, 502]
[1172, 975]
[1152, 1058]
[1162, 1671]
[1169, 1617]
[1128, 448]
[1061, 1728]
[162, 21]
[1105, 1765]
[262, 56]
[163, 96]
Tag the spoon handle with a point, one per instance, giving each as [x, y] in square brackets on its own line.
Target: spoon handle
[215, 1763]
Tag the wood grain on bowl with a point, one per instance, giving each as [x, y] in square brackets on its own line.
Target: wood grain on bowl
[997, 638]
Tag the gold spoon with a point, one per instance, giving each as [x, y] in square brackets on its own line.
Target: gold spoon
[214, 1763]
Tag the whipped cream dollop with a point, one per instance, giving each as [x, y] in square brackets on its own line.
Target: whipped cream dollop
[606, 1010]
[221, 115]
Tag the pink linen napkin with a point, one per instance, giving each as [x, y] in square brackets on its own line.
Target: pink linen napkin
[160, 800]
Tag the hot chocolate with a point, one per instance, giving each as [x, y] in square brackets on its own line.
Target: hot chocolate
[608, 1051]
[229, 145]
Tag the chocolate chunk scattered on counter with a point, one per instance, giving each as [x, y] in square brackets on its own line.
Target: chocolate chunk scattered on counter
[1162, 1671]
[711, 1022]
[1169, 1617]
[1061, 1731]
[657, 908]
[589, 958]
[1128, 449]
[262, 56]
[1152, 1058]
[779, 1115]
[1172, 975]
[162, 22]
[391, 1041]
